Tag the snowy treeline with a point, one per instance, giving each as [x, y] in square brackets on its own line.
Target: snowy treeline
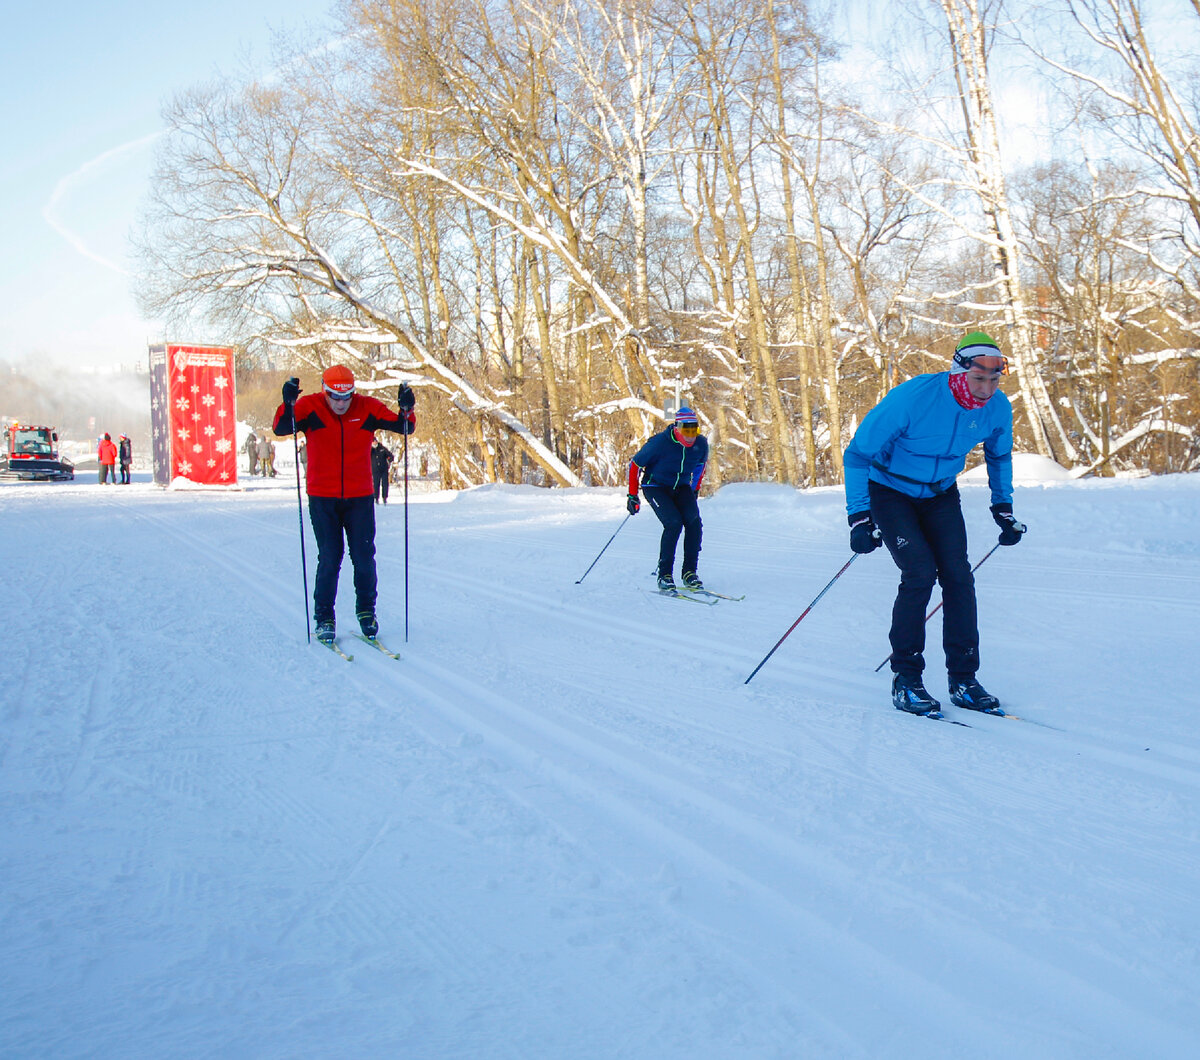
[556, 217]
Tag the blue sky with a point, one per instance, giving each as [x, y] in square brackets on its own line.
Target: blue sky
[83, 84]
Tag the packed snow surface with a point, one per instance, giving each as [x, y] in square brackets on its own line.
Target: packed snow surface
[564, 826]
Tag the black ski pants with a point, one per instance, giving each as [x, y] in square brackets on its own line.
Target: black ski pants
[338, 523]
[678, 510]
[380, 479]
[928, 540]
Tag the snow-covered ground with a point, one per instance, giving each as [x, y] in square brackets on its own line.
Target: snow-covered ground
[563, 826]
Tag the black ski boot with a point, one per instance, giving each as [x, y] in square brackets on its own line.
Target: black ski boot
[325, 631]
[368, 624]
[971, 695]
[908, 693]
[666, 584]
[691, 580]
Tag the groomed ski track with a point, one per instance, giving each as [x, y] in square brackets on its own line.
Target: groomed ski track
[560, 825]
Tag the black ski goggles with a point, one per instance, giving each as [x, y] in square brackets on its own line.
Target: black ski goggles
[995, 363]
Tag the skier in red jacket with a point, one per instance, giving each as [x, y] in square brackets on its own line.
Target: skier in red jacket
[339, 426]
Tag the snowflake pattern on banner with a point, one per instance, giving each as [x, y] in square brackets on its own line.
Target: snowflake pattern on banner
[192, 398]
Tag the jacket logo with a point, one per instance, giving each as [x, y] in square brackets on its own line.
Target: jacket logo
[901, 542]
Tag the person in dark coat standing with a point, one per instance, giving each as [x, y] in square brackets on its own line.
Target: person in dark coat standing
[251, 447]
[125, 456]
[671, 466]
[339, 426]
[381, 469]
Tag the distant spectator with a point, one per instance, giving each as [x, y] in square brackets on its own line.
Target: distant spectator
[108, 460]
[125, 454]
[381, 461]
[266, 456]
[251, 447]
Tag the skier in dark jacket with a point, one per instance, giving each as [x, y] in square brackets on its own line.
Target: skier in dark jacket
[671, 465]
[901, 491]
[381, 469]
[339, 426]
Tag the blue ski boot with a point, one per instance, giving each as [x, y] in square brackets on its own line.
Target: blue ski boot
[325, 631]
[971, 695]
[908, 693]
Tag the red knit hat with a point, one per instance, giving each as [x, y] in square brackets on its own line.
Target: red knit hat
[338, 381]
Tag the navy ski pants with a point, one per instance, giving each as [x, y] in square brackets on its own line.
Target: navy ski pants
[677, 510]
[928, 540]
[338, 523]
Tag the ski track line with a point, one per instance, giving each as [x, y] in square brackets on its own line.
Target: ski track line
[247, 571]
[738, 659]
[810, 675]
[767, 864]
[19, 711]
[614, 850]
[96, 709]
[532, 763]
[92, 715]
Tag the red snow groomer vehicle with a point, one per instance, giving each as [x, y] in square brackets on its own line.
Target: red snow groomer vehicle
[31, 454]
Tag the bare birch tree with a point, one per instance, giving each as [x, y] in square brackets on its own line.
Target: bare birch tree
[969, 51]
[251, 223]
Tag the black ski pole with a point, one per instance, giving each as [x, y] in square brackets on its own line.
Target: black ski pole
[801, 618]
[300, 508]
[940, 602]
[406, 539]
[602, 551]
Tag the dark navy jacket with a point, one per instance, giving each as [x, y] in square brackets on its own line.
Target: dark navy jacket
[667, 462]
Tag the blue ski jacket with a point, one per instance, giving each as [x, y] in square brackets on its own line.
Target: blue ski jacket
[916, 441]
[664, 461]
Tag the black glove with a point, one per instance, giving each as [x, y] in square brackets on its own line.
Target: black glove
[291, 391]
[632, 504]
[405, 398]
[1010, 529]
[864, 534]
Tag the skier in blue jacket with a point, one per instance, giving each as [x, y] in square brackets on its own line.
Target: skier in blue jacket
[901, 491]
[671, 465]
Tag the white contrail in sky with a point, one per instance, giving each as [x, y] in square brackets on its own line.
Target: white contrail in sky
[72, 180]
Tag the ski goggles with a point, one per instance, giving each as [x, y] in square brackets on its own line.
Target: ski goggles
[994, 363]
[688, 428]
[339, 395]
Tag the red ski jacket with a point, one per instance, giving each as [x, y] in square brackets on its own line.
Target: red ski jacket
[339, 447]
[108, 452]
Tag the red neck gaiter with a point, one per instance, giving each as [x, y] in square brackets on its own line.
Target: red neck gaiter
[958, 387]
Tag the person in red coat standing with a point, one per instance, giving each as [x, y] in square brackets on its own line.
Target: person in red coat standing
[339, 426]
[108, 460]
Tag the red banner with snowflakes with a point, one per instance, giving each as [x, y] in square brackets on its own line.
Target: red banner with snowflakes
[193, 412]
